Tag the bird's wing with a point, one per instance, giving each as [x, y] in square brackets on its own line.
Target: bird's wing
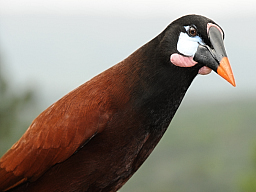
[52, 137]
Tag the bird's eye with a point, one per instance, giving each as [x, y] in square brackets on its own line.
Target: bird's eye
[192, 31]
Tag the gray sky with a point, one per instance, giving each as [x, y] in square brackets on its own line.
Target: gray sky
[213, 8]
[57, 45]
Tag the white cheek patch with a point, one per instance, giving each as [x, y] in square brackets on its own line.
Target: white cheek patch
[188, 45]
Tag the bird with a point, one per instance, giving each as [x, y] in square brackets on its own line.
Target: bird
[98, 135]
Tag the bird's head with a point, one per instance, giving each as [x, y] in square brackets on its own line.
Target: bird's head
[199, 41]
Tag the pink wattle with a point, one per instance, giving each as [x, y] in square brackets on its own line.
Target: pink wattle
[204, 70]
[182, 61]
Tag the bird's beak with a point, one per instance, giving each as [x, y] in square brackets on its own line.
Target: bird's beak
[216, 57]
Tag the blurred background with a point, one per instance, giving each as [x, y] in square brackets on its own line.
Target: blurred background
[48, 48]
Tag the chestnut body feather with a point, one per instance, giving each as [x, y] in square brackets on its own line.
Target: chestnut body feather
[98, 135]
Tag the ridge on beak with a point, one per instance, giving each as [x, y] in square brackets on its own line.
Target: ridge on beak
[216, 57]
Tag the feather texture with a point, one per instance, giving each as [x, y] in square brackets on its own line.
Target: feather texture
[58, 132]
[98, 135]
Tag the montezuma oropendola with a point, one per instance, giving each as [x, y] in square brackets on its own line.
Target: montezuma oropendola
[98, 135]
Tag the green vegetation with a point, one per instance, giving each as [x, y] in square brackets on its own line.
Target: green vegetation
[248, 181]
[208, 147]
[16, 110]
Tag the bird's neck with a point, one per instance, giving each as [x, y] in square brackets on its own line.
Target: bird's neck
[158, 87]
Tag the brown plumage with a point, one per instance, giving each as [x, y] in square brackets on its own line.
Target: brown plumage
[98, 135]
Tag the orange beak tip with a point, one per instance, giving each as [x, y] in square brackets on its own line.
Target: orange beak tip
[225, 71]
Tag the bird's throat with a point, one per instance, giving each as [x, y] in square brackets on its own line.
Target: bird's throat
[184, 61]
